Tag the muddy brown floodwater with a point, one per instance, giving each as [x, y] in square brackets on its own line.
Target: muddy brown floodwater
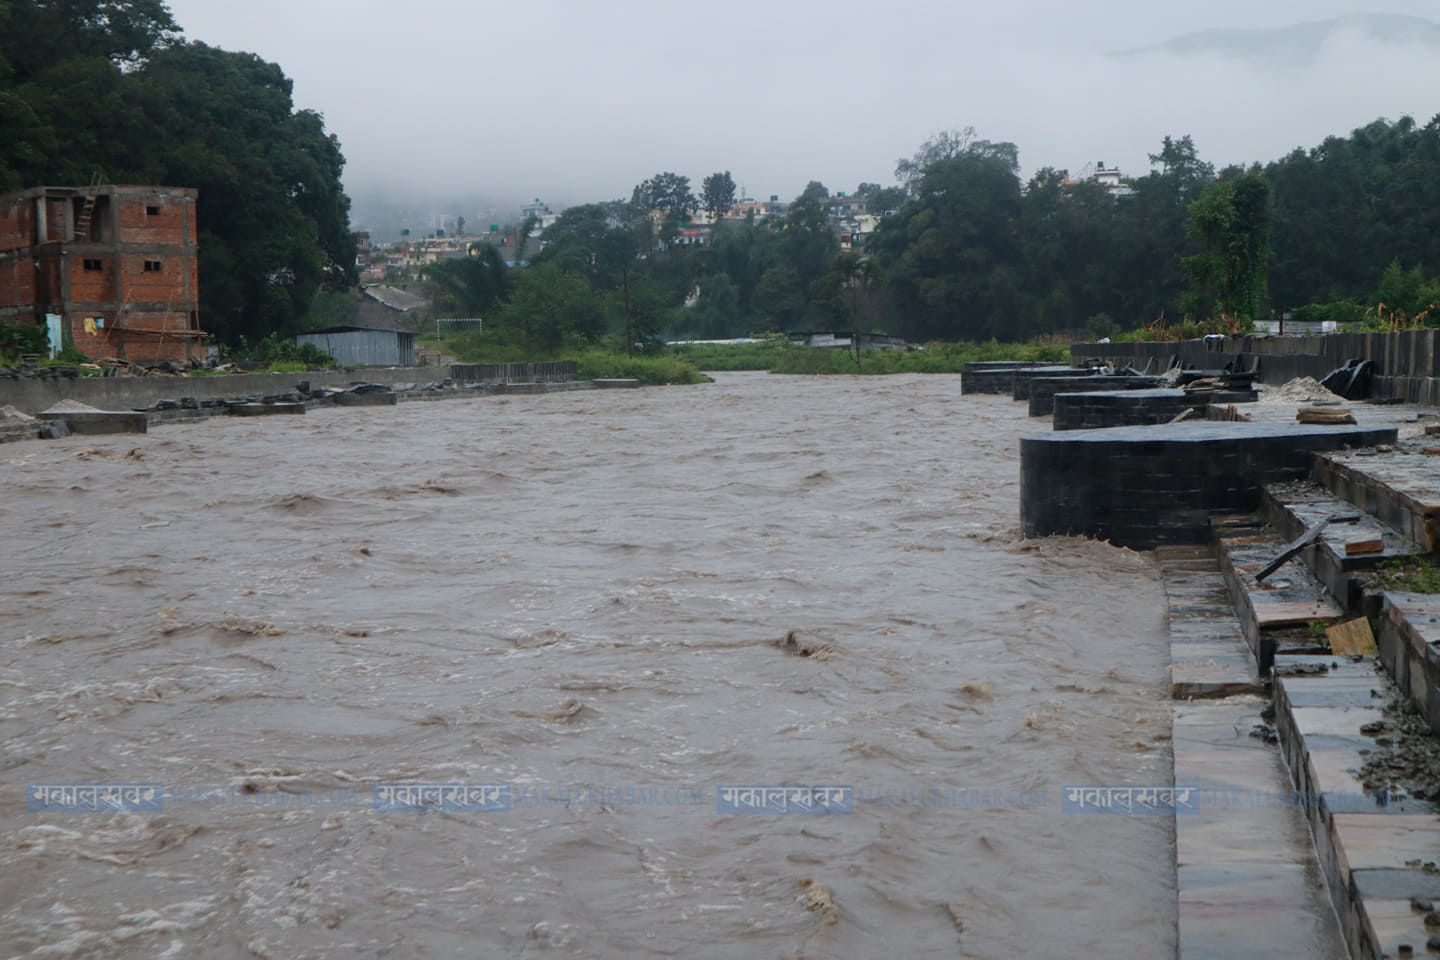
[585, 597]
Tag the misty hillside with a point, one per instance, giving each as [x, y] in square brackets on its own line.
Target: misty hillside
[1294, 46]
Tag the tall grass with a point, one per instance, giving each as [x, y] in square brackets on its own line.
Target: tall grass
[592, 363]
[735, 356]
[609, 365]
[681, 363]
[935, 358]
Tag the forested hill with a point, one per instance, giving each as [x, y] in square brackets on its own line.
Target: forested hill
[112, 88]
[1298, 45]
[969, 249]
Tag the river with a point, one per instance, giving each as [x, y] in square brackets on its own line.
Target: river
[584, 597]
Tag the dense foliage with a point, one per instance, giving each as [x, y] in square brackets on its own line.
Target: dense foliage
[110, 88]
[19, 339]
[966, 250]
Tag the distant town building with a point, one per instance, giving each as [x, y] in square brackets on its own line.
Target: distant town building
[746, 207]
[1108, 177]
[108, 269]
[541, 212]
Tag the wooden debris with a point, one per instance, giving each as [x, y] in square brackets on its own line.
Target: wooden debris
[1431, 429]
[1205, 385]
[1352, 637]
[1339, 415]
[1228, 412]
[1357, 547]
[1185, 414]
[1303, 541]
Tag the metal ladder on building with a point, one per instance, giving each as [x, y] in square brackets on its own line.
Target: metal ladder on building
[87, 212]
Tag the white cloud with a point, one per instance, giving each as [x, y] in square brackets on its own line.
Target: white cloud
[577, 101]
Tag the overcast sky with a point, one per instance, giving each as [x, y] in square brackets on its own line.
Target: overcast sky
[575, 100]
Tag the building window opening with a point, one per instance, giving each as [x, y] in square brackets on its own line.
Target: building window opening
[152, 211]
[152, 266]
[93, 263]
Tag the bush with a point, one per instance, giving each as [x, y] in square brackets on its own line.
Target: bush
[1408, 575]
[936, 357]
[1341, 312]
[273, 352]
[21, 338]
[610, 365]
[734, 356]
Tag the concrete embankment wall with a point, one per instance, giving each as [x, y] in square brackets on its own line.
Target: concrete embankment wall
[1407, 364]
[32, 395]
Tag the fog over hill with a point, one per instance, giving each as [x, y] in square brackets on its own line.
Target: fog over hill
[1300, 45]
[461, 109]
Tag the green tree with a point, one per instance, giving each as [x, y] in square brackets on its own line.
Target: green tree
[718, 314]
[272, 211]
[1346, 208]
[885, 200]
[951, 251]
[1409, 294]
[717, 194]
[523, 233]
[1230, 222]
[1146, 243]
[809, 242]
[548, 309]
[39, 34]
[669, 193]
[949, 145]
[470, 286]
[596, 240]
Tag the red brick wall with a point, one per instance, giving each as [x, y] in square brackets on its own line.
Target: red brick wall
[165, 285]
[17, 224]
[47, 279]
[57, 218]
[17, 281]
[139, 337]
[87, 286]
[173, 224]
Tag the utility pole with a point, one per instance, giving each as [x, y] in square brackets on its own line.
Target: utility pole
[629, 334]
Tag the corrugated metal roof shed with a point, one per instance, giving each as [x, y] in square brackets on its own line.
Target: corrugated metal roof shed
[393, 297]
[364, 346]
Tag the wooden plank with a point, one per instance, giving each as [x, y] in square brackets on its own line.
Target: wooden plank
[1352, 637]
[1324, 415]
[1358, 547]
[1287, 612]
[1303, 541]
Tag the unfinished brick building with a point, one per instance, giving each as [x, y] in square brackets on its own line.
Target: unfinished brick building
[113, 268]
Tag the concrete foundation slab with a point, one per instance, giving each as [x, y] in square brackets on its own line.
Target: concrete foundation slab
[1144, 486]
[265, 409]
[100, 422]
